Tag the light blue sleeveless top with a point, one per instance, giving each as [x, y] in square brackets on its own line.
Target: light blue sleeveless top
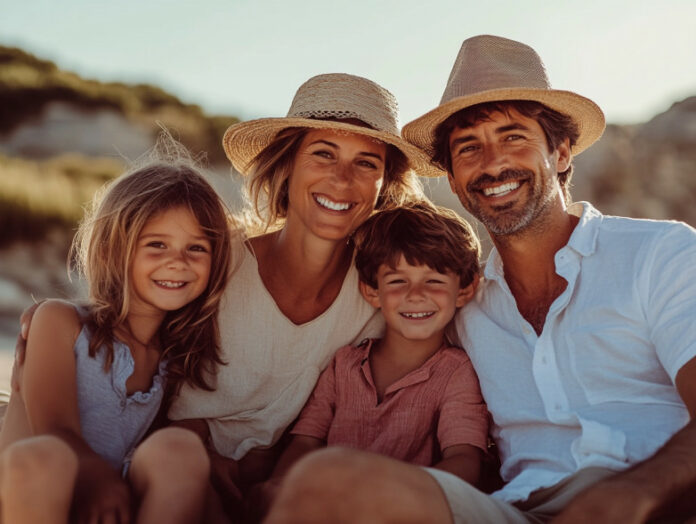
[112, 422]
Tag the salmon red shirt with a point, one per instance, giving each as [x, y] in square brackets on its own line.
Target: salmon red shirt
[432, 408]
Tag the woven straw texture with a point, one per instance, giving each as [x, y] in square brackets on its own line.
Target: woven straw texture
[489, 69]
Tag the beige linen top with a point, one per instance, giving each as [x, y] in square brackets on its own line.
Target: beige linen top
[272, 363]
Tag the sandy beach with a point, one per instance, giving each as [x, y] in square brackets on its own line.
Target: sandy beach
[6, 356]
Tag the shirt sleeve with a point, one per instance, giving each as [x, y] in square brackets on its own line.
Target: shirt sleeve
[463, 414]
[318, 413]
[671, 297]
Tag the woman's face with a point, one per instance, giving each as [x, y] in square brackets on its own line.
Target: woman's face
[335, 181]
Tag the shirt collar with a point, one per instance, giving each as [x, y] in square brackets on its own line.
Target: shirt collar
[583, 240]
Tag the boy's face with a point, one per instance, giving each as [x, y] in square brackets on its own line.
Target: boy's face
[417, 302]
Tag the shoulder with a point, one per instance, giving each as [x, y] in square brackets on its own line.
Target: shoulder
[55, 324]
[58, 314]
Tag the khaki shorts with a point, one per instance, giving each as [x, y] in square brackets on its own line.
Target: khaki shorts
[469, 505]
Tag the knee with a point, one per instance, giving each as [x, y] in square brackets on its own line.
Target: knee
[333, 470]
[38, 461]
[172, 453]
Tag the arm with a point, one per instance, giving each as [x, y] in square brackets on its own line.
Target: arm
[660, 486]
[463, 460]
[49, 391]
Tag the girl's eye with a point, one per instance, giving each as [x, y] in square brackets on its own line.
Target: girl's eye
[156, 244]
[199, 248]
[367, 164]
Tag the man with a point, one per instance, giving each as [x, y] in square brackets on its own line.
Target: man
[582, 332]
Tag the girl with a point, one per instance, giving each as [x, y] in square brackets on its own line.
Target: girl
[94, 376]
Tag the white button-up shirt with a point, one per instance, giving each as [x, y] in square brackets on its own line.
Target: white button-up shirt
[596, 387]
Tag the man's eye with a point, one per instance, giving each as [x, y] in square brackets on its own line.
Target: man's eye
[467, 149]
[511, 138]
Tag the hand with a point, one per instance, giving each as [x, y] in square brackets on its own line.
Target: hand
[21, 346]
[609, 501]
[224, 476]
[101, 495]
[259, 499]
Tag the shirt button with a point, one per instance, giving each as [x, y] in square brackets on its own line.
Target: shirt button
[557, 407]
[543, 360]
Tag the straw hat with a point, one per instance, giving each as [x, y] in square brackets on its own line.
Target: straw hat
[491, 69]
[331, 96]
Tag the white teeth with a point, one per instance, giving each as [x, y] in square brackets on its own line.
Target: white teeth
[502, 189]
[423, 314]
[329, 204]
[170, 284]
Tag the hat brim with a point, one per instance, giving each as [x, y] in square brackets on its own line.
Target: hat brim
[584, 112]
[244, 141]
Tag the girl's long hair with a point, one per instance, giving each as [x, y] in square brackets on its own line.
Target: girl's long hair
[104, 247]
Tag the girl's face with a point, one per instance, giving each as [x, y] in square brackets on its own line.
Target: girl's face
[171, 263]
[335, 181]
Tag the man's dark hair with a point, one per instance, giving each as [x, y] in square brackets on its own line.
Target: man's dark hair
[556, 126]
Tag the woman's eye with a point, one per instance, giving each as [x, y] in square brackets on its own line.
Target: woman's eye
[323, 154]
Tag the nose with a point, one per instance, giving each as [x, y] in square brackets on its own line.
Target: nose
[343, 173]
[177, 260]
[415, 292]
[493, 159]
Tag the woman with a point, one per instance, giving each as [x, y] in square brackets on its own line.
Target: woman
[314, 176]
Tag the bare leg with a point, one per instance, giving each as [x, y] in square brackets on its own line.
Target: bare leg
[169, 473]
[340, 486]
[37, 476]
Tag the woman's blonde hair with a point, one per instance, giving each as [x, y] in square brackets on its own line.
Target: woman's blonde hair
[105, 243]
[269, 171]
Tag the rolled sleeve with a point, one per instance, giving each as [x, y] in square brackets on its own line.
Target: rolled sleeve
[463, 414]
[672, 297]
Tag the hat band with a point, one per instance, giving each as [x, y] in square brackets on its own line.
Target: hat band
[341, 115]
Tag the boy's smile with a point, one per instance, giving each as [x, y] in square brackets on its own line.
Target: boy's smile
[417, 302]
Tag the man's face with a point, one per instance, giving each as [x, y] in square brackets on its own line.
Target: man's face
[504, 174]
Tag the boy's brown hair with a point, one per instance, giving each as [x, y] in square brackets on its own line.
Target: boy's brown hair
[424, 234]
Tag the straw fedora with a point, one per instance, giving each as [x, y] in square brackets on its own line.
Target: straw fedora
[335, 96]
[491, 69]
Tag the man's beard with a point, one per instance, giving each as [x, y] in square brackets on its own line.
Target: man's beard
[504, 220]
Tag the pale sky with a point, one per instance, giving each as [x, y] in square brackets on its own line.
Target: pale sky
[247, 58]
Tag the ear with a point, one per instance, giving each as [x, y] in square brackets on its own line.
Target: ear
[370, 294]
[465, 294]
[564, 156]
[453, 186]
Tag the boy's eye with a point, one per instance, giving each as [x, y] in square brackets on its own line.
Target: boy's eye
[435, 281]
[396, 281]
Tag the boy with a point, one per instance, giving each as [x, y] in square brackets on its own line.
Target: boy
[408, 395]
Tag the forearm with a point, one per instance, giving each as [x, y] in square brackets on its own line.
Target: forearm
[300, 446]
[667, 476]
[463, 461]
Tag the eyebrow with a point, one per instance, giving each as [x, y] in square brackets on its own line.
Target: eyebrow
[164, 235]
[499, 131]
[335, 146]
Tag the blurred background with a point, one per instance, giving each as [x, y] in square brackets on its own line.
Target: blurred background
[85, 85]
